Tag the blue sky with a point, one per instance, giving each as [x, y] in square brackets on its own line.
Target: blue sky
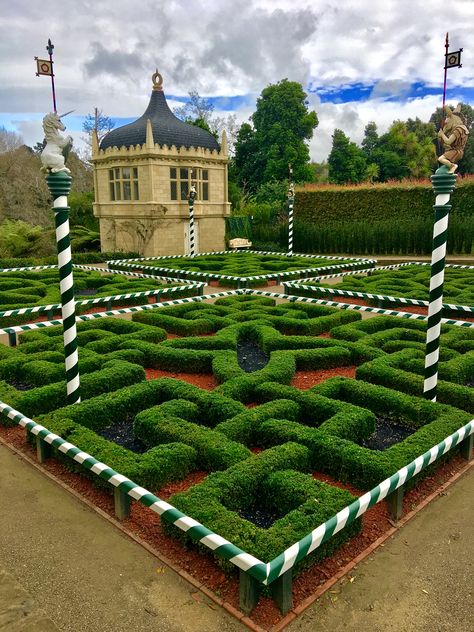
[359, 61]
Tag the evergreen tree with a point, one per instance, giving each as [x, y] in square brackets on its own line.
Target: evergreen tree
[347, 162]
[370, 140]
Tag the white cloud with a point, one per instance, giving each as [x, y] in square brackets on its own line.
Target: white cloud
[105, 54]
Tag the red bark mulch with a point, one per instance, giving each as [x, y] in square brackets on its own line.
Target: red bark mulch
[205, 381]
[306, 379]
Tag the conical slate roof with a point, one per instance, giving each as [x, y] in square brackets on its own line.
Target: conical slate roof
[167, 128]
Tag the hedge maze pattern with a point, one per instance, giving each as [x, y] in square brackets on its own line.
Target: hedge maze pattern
[26, 289]
[241, 269]
[258, 438]
[409, 282]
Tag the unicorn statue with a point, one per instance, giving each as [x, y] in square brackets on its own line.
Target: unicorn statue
[57, 146]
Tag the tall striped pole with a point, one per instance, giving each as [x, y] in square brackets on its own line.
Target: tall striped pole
[443, 185]
[59, 186]
[191, 196]
[291, 201]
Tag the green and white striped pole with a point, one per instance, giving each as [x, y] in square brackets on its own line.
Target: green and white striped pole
[443, 185]
[191, 197]
[59, 185]
[291, 202]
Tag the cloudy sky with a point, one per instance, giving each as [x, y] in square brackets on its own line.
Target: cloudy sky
[358, 60]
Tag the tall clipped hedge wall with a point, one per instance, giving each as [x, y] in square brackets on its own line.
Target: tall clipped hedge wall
[378, 202]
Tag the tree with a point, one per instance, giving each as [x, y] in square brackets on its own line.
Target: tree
[196, 108]
[320, 172]
[372, 172]
[9, 140]
[370, 140]
[347, 162]
[281, 125]
[423, 131]
[400, 153]
[99, 122]
[466, 164]
[198, 111]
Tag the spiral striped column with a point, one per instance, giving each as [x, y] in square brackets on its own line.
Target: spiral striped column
[443, 185]
[291, 201]
[192, 246]
[59, 186]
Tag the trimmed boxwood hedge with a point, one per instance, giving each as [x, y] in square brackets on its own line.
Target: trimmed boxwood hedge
[399, 372]
[154, 468]
[411, 282]
[41, 287]
[240, 265]
[345, 459]
[272, 481]
[377, 202]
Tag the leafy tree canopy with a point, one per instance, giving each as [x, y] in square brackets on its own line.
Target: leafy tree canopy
[281, 125]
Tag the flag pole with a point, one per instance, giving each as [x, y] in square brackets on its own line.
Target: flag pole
[50, 48]
[446, 46]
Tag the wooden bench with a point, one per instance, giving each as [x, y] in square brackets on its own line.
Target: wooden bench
[238, 243]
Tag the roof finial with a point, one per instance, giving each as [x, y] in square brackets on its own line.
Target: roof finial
[157, 85]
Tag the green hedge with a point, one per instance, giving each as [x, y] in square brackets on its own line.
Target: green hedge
[160, 465]
[379, 202]
[112, 376]
[334, 444]
[394, 372]
[272, 481]
[214, 450]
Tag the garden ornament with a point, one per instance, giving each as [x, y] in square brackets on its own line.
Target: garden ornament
[57, 146]
[454, 136]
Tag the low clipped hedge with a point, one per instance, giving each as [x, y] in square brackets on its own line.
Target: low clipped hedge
[241, 266]
[31, 288]
[403, 371]
[110, 377]
[273, 481]
[410, 282]
[154, 468]
[336, 454]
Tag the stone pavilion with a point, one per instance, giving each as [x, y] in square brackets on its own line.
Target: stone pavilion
[142, 176]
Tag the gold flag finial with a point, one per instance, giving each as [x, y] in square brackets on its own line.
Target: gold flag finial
[157, 80]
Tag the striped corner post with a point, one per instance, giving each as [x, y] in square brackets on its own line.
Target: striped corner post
[59, 185]
[291, 202]
[443, 185]
[191, 197]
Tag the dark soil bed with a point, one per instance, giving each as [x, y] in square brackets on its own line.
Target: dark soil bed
[20, 385]
[250, 356]
[88, 291]
[387, 433]
[260, 517]
[122, 433]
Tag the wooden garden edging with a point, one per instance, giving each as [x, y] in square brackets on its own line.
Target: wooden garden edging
[354, 263]
[38, 309]
[253, 572]
[398, 300]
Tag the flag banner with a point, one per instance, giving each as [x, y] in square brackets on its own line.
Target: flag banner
[44, 67]
[453, 60]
